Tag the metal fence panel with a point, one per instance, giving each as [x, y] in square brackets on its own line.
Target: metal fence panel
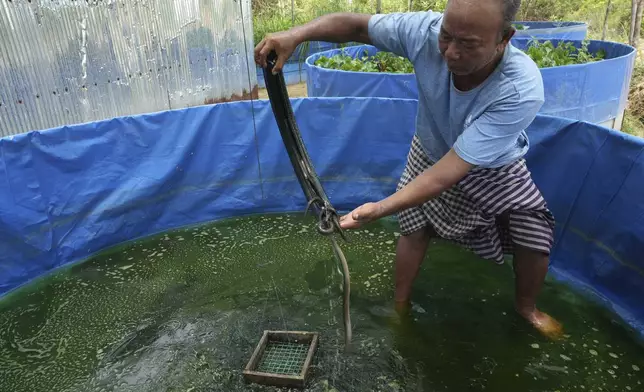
[69, 61]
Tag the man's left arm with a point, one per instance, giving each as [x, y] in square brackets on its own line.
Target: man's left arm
[447, 172]
[487, 138]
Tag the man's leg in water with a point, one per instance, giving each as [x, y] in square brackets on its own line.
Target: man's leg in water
[410, 253]
[530, 269]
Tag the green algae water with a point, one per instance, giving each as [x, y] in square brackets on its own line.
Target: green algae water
[184, 310]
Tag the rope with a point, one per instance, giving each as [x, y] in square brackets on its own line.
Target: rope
[252, 105]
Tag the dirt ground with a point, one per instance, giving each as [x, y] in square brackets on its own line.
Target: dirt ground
[294, 91]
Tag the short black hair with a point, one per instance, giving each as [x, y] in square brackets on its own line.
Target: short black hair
[510, 9]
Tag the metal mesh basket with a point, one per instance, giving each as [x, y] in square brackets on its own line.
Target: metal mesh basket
[282, 358]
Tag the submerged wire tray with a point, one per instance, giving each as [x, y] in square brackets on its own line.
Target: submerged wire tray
[282, 358]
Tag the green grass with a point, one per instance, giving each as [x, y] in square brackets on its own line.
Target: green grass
[633, 125]
[264, 25]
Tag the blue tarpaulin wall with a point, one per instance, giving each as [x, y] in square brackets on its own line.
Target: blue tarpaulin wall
[593, 92]
[69, 192]
[294, 73]
[323, 82]
[575, 31]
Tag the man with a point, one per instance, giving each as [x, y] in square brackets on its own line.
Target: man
[465, 179]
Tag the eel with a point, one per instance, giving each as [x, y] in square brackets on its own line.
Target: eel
[328, 220]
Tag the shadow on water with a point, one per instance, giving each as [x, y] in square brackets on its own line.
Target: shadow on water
[183, 311]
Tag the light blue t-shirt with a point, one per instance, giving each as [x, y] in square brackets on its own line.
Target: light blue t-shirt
[486, 125]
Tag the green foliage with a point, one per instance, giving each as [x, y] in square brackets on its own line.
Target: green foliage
[519, 26]
[545, 54]
[591, 11]
[381, 62]
[271, 17]
[416, 5]
[633, 124]
[565, 53]
[264, 25]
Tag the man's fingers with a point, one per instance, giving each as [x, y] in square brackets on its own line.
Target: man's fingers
[263, 53]
[258, 48]
[349, 224]
[279, 64]
[364, 213]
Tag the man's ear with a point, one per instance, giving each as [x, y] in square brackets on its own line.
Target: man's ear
[509, 33]
[505, 39]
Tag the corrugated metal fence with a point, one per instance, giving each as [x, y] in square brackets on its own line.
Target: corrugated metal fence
[72, 61]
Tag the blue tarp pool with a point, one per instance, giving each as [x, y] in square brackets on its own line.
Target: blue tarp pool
[69, 192]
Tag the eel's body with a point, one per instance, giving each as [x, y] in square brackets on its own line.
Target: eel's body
[328, 221]
[346, 286]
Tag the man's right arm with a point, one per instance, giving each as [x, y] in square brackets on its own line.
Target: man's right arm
[401, 33]
[337, 27]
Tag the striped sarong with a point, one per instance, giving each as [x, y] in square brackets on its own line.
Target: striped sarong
[489, 211]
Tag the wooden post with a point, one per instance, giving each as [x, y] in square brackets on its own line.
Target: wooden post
[606, 20]
[637, 6]
[638, 23]
[293, 12]
[632, 26]
[526, 8]
[378, 6]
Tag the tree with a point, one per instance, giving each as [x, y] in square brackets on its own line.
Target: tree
[606, 20]
[637, 6]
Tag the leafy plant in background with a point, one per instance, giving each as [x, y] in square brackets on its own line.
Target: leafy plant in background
[565, 53]
[380, 62]
[544, 54]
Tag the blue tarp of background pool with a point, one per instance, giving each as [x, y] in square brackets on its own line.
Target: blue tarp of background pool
[595, 92]
[69, 192]
[294, 73]
[294, 70]
[575, 31]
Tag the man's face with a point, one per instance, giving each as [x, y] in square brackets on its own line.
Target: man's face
[471, 34]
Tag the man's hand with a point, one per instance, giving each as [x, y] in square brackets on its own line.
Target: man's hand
[335, 27]
[364, 214]
[448, 171]
[283, 43]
